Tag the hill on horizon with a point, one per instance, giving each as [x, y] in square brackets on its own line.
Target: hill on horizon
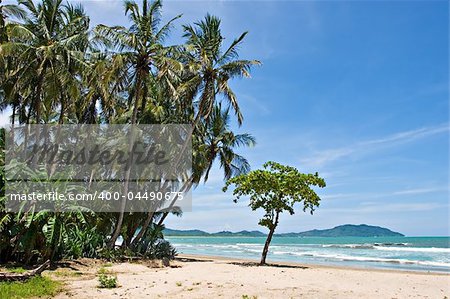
[346, 230]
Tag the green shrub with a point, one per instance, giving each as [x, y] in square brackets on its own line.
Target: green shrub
[107, 281]
[82, 242]
[162, 249]
[153, 245]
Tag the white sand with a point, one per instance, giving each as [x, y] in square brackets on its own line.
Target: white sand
[211, 278]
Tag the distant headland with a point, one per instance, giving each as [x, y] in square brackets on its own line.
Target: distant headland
[346, 230]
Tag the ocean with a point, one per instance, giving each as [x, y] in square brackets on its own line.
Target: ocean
[400, 253]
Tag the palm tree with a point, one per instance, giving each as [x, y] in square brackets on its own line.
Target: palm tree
[206, 74]
[208, 71]
[209, 68]
[141, 51]
[104, 85]
[48, 49]
[140, 48]
[218, 142]
[7, 11]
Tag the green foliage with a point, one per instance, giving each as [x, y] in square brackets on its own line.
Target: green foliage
[82, 242]
[107, 281]
[37, 286]
[153, 245]
[162, 249]
[106, 278]
[103, 270]
[277, 188]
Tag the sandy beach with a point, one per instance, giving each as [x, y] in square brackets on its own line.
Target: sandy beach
[206, 277]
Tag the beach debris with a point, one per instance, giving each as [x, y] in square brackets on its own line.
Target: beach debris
[26, 275]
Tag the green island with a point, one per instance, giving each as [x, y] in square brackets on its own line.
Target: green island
[346, 230]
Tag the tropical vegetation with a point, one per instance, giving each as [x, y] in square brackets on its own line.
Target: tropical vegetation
[276, 189]
[57, 68]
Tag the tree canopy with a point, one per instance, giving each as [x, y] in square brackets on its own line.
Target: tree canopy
[276, 189]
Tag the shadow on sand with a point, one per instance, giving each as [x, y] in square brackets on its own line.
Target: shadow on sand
[254, 264]
[189, 259]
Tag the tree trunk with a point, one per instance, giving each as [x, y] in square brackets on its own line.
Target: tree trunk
[130, 234]
[24, 276]
[61, 114]
[147, 222]
[266, 247]
[37, 103]
[143, 230]
[185, 188]
[268, 240]
[118, 229]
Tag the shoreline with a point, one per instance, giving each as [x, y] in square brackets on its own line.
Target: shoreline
[271, 263]
[406, 254]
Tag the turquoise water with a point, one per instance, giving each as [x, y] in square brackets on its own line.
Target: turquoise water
[404, 253]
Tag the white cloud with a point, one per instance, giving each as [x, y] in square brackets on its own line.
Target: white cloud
[321, 158]
[400, 207]
[377, 194]
[419, 191]
[408, 136]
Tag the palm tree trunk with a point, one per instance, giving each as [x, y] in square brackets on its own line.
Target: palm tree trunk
[268, 240]
[130, 233]
[118, 227]
[13, 117]
[144, 228]
[37, 102]
[185, 188]
[61, 114]
[194, 125]
[188, 184]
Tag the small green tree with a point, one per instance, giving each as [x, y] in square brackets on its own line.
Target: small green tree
[276, 189]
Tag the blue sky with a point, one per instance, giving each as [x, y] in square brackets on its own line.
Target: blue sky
[356, 90]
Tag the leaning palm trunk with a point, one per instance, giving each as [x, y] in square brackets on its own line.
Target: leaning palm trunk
[170, 207]
[118, 227]
[185, 188]
[143, 230]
